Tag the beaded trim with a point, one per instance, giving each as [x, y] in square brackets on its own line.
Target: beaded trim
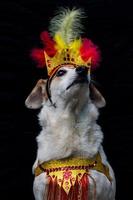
[66, 172]
[66, 168]
[86, 164]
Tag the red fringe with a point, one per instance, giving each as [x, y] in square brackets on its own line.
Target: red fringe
[55, 192]
[77, 192]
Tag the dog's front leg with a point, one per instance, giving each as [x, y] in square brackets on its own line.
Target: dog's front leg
[39, 187]
[34, 165]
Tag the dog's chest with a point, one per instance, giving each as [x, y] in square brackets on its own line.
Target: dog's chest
[68, 126]
[67, 133]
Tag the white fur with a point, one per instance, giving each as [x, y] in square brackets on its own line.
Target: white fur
[71, 129]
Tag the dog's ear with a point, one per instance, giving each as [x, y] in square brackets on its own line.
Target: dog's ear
[37, 96]
[96, 97]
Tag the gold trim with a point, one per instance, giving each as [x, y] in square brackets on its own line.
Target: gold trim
[73, 163]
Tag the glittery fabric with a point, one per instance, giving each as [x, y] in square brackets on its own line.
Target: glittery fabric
[70, 177]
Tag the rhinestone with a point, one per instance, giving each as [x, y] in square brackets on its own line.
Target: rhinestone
[66, 183]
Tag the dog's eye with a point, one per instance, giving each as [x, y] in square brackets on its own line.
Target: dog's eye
[61, 72]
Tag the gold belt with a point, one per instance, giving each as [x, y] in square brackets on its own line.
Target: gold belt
[66, 171]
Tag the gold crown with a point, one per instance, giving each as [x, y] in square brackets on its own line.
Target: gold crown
[66, 47]
[67, 56]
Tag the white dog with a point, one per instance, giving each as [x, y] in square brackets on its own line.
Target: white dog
[69, 111]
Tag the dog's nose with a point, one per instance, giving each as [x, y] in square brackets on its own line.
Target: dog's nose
[81, 70]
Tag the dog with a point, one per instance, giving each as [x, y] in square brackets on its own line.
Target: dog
[68, 117]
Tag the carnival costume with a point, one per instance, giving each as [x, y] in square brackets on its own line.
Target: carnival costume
[68, 179]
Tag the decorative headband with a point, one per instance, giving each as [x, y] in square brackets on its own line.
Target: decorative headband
[64, 45]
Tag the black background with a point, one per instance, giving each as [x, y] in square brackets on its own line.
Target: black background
[109, 25]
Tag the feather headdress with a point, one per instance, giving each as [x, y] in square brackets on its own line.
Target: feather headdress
[64, 45]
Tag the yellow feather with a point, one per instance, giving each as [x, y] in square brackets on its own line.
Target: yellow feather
[60, 44]
[75, 44]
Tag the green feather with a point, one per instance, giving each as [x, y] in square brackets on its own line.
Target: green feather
[68, 24]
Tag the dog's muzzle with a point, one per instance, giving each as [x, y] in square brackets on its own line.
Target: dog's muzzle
[82, 71]
[82, 77]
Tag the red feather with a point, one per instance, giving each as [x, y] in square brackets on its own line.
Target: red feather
[49, 46]
[38, 56]
[49, 43]
[87, 50]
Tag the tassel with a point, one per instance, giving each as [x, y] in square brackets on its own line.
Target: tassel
[78, 191]
[74, 191]
[55, 192]
[85, 187]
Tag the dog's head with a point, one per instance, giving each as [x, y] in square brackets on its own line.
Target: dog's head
[66, 83]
